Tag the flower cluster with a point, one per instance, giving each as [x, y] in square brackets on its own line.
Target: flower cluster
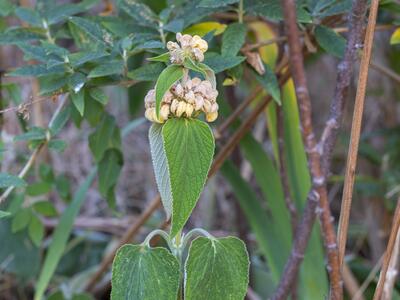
[184, 99]
[189, 46]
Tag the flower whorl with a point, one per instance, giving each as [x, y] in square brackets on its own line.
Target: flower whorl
[189, 46]
[184, 99]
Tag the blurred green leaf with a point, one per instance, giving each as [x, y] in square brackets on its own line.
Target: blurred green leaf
[21, 219]
[38, 188]
[270, 83]
[148, 72]
[220, 63]
[29, 16]
[213, 3]
[78, 99]
[109, 169]
[4, 214]
[233, 39]
[36, 230]
[330, 41]
[60, 237]
[99, 95]
[21, 35]
[7, 180]
[140, 12]
[45, 208]
[112, 67]
[37, 70]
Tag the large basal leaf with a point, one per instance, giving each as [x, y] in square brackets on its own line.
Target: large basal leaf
[189, 147]
[160, 167]
[167, 78]
[233, 39]
[330, 41]
[216, 269]
[143, 273]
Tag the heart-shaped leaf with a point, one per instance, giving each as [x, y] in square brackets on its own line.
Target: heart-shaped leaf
[216, 269]
[144, 273]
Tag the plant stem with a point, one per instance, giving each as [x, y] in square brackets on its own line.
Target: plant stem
[318, 194]
[355, 131]
[240, 12]
[389, 251]
[343, 81]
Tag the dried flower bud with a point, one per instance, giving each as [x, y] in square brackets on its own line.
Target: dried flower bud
[181, 109]
[211, 117]
[190, 97]
[199, 102]
[189, 110]
[199, 43]
[214, 107]
[174, 106]
[198, 55]
[207, 106]
[179, 90]
[172, 46]
[164, 111]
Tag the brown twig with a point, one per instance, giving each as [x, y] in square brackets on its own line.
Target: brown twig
[389, 252]
[392, 272]
[385, 71]
[355, 131]
[350, 282]
[344, 75]
[318, 194]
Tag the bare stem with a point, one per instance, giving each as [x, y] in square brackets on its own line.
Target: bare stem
[389, 252]
[355, 131]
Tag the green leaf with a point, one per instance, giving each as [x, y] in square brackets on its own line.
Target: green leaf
[270, 83]
[201, 68]
[38, 188]
[60, 237]
[219, 3]
[221, 63]
[162, 57]
[21, 220]
[106, 136]
[23, 259]
[6, 7]
[88, 34]
[57, 145]
[160, 166]
[36, 230]
[189, 147]
[148, 72]
[330, 41]
[108, 68]
[61, 12]
[7, 180]
[34, 134]
[313, 280]
[272, 10]
[4, 214]
[216, 269]
[78, 99]
[38, 70]
[28, 15]
[144, 273]
[79, 58]
[21, 35]
[167, 78]
[60, 120]
[260, 222]
[45, 208]
[233, 39]
[140, 12]
[109, 169]
[99, 95]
